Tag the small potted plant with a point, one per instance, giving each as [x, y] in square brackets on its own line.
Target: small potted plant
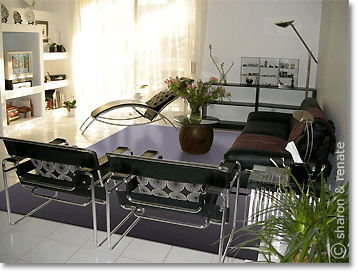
[60, 48]
[70, 106]
[52, 47]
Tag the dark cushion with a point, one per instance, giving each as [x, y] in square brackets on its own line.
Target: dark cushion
[277, 117]
[158, 102]
[278, 130]
[259, 142]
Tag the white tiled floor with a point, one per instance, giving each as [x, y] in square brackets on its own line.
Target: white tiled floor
[40, 241]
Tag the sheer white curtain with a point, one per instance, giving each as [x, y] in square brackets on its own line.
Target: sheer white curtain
[121, 44]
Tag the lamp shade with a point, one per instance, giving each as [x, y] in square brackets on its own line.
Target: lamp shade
[284, 24]
[303, 116]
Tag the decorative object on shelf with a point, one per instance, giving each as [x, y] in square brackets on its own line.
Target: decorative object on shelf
[4, 14]
[44, 25]
[17, 17]
[269, 71]
[56, 77]
[138, 95]
[249, 80]
[292, 80]
[54, 47]
[29, 16]
[70, 106]
[25, 106]
[221, 69]
[12, 113]
[31, 3]
[197, 96]
[47, 78]
[310, 54]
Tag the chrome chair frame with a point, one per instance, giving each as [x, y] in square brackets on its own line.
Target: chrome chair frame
[138, 208]
[19, 157]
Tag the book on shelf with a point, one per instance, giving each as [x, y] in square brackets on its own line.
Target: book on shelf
[12, 114]
[13, 118]
[12, 111]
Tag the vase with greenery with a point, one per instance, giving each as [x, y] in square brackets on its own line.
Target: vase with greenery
[197, 95]
[313, 224]
[69, 105]
[222, 73]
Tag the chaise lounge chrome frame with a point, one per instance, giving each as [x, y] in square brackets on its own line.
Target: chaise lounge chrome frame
[97, 114]
[124, 172]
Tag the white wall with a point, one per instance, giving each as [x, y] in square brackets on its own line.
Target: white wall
[244, 28]
[241, 28]
[333, 71]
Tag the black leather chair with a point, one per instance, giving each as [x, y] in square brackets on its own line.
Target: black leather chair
[58, 172]
[198, 192]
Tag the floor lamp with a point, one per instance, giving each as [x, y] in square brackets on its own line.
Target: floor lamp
[310, 54]
[307, 118]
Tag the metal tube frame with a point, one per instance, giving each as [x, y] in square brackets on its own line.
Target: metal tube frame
[225, 195]
[102, 119]
[50, 199]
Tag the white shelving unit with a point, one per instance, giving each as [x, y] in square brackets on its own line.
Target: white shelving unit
[269, 71]
[55, 56]
[56, 84]
[21, 37]
[53, 63]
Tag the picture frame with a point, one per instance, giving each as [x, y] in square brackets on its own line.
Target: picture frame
[44, 25]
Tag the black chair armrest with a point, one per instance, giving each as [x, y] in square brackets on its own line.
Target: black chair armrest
[247, 158]
[103, 162]
[213, 190]
[59, 141]
[151, 154]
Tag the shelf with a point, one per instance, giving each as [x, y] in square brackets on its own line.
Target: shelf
[285, 87]
[230, 103]
[54, 56]
[56, 84]
[256, 104]
[268, 69]
[20, 28]
[279, 106]
[11, 94]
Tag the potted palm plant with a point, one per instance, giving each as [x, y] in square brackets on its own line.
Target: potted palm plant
[313, 225]
[70, 106]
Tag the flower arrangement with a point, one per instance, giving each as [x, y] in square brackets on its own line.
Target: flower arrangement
[197, 95]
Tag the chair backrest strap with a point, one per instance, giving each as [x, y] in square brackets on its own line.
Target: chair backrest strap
[175, 171]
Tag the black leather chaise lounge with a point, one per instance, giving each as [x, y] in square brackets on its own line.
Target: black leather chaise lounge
[148, 112]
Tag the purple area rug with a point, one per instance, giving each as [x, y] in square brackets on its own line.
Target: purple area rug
[139, 139]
